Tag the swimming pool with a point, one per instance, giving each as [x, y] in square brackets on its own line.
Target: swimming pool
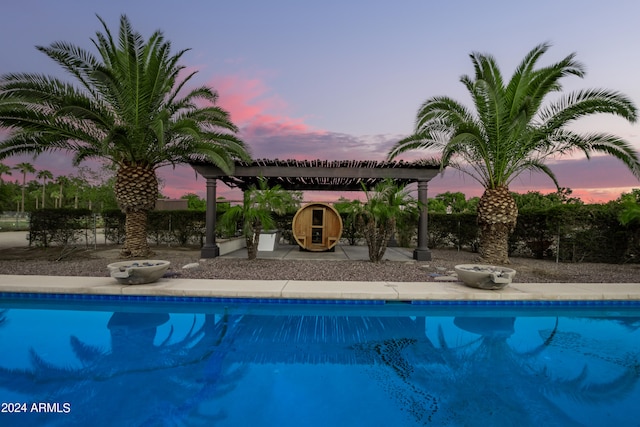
[106, 361]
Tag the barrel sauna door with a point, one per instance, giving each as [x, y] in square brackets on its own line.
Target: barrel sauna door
[317, 227]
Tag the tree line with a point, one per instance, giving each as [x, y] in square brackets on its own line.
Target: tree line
[86, 189]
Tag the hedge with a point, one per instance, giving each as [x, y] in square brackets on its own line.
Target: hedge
[567, 233]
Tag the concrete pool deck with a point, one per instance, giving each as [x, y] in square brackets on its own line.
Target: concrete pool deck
[290, 289]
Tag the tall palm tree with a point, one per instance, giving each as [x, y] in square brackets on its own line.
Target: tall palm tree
[24, 168]
[62, 181]
[36, 196]
[514, 129]
[4, 170]
[44, 175]
[56, 197]
[78, 186]
[129, 106]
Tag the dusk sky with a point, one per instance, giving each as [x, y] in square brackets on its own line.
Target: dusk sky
[342, 80]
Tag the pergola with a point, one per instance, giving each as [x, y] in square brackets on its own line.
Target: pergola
[317, 175]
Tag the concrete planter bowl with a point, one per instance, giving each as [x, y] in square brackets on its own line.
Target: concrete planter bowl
[138, 272]
[484, 276]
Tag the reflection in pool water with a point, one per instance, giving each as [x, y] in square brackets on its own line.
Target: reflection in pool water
[124, 363]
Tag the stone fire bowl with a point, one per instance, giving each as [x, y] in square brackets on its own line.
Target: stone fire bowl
[484, 276]
[138, 272]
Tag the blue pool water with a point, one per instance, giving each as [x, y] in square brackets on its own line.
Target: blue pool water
[118, 362]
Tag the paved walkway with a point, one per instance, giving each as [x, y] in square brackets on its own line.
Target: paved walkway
[341, 253]
[13, 239]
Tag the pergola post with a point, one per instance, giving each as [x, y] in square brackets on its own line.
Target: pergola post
[422, 252]
[210, 248]
[316, 175]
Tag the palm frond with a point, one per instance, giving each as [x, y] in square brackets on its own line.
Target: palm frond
[126, 105]
[511, 128]
[583, 103]
[531, 165]
[413, 142]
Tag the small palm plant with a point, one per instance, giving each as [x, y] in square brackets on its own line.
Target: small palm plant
[256, 213]
[377, 216]
[348, 210]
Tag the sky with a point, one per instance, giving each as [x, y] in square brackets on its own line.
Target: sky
[342, 80]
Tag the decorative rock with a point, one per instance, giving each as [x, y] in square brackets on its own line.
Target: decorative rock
[191, 266]
[484, 276]
[138, 272]
[445, 279]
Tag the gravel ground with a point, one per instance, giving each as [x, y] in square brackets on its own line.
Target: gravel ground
[54, 261]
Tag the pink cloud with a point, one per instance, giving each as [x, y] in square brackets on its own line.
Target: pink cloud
[251, 104]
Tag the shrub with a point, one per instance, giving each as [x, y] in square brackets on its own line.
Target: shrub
[58, 226]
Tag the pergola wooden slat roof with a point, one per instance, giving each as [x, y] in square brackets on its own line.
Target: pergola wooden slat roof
[320, 175]
[317, 175]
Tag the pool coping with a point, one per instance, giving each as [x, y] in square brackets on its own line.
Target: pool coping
[321, 290]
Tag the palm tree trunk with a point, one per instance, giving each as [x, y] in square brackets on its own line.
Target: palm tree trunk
[253, 242]
[377, 236]
[136, 190]
[494, 243]
[497, 216]
[24, 184]
[252, 247]
[136, 244]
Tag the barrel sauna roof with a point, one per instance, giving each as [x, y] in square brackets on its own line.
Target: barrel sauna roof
[323, 175]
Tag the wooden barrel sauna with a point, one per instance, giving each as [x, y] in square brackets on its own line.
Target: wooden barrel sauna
[317, 227]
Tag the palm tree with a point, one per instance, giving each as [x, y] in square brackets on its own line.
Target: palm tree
[4, 170]
[348, 210]
[256, 213]
[61, 181]
[24, 169]
[78, 186]
[378, 215]
[130, 106]
[44, 175]
[56, 197]
[511, 131]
